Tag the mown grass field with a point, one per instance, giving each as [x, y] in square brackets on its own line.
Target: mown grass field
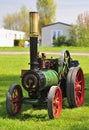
[50, 49]
[30, 119]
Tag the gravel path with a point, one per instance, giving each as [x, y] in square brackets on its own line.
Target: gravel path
[47, 53]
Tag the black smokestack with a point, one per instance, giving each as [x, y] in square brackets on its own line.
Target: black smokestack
[33, 39]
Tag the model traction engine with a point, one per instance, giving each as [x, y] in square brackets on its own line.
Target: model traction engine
[47, 81]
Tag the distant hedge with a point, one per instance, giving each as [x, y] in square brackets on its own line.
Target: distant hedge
[19, 42]
[62, 40]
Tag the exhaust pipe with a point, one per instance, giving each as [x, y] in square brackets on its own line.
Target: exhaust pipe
[33, 16]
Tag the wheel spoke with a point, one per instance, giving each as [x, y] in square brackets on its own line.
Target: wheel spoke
[79, 88]
[78, 99]
[15, 93]
[15, 100]
[15, 110]
[78, 81]
[15, 96]
[56, 103]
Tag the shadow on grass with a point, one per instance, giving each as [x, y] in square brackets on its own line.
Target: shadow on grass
[27, 113]
[40, 116]
[79, 127]
[3, 112]
[86, 99]
[9, 78]
[86, 77]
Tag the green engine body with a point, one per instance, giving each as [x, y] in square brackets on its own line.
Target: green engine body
[51, 77]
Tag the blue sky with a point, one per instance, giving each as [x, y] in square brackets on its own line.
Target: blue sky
[67, 10]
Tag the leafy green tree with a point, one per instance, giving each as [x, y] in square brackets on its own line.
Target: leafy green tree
[83, 29]
[72, 41]
[47, 12]
[79, 34]
[18, 21]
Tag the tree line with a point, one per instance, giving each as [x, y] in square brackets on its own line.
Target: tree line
[79, 34]
[20, 20]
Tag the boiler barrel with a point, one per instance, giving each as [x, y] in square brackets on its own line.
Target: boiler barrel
[51, 77]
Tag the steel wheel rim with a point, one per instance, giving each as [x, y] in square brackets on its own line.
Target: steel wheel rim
[16, 101]
[79, 88]
[57, 103]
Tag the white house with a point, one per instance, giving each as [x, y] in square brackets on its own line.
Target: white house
[52, 31]
[7, 37]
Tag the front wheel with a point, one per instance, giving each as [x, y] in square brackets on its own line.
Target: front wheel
[14, 99]
[54, 102]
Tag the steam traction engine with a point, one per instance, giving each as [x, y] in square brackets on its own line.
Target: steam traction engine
[47, 81]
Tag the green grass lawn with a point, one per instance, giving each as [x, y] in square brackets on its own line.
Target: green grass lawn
[49, 49]
[30, 119]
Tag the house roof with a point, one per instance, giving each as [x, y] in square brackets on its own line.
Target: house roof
[57, 23]
[11, 31]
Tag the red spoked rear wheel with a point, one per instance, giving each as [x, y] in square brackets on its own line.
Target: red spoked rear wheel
[75, 87]
[54, 102]
[14, 99]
